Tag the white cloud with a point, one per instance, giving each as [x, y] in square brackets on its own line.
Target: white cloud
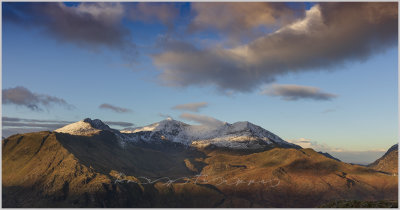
[110, 13]
[330, 35]
[194, 107]
[238, 19]
[202, 119]
[296, 92]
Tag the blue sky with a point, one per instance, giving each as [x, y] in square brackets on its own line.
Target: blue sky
[359, 112]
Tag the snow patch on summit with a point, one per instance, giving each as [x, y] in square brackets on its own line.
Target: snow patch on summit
[239, 135]
[168, 125]
[236, 135]
[84, 127]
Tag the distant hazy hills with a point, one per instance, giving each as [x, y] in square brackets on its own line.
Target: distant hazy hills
[88, 164]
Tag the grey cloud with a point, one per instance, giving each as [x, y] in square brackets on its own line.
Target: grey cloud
[21, 96]
[194, 107]
[150, 11]
[89, 25]
[117, 123]
[11, 119]
[51, 126]
[33, 123]
[114, 108]
[201, 119]
[296, 92]
[16, 119]
[13, 125]
[237, 19]
[330, 35]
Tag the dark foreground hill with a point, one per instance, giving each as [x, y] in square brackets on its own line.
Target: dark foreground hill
[50, 169]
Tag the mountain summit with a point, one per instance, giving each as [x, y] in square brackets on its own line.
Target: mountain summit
[84, 127]
[239, 135]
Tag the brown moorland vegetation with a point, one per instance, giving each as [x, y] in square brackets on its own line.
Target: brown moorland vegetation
[49, 169]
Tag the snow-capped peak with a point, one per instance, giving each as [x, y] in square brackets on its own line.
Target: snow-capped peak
[84, 127]
[242, 125]
[255, 130]
[168, 125]
[96, 123]
[237, 135]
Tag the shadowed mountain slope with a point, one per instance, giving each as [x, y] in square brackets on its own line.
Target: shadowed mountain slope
[38, 171]
[388, 162]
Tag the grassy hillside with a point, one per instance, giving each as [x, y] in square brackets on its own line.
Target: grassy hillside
[303, 178]
[38, 171]
[47, 169]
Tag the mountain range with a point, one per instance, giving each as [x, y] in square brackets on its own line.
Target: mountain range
[173, 164]
[239, 135]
